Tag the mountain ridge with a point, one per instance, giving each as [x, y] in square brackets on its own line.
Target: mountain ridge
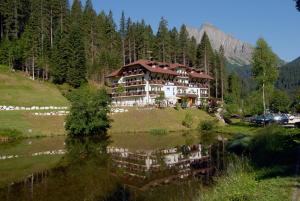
[236, 51]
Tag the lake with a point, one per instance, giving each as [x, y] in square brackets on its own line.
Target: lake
[126, 167]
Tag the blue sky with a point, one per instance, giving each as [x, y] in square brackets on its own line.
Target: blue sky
[276, 20]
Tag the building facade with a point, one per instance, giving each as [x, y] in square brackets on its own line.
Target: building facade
[139, 83]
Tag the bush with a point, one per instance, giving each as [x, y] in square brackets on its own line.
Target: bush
[188, 120]
[206, 125]
[88, 114]
[177, 106]
[273, 146]
[158, 131]
[10, 133]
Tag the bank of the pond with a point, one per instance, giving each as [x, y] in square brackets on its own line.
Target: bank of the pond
[243, 182]
[136, 120]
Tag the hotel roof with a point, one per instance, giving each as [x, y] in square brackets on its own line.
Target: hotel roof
[160, 67]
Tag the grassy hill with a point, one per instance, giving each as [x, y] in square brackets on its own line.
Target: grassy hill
[18, 90]
[143, 120]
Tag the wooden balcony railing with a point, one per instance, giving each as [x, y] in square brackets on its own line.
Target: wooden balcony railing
[133, 72]
[136, 93]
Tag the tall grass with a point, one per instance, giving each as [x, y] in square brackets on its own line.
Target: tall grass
[158, 131]
[239, 183]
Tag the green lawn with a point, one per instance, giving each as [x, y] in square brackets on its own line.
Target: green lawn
[16, 89]
[31, 125]
[144, 120]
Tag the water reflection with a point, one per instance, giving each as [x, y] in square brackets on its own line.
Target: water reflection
[92, 171]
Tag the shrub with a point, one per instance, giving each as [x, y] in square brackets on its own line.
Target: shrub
[10, 133]
[188, 120]
[272, 145]
[88, 114]
[177, 106]
[158, 131]
[206, 125]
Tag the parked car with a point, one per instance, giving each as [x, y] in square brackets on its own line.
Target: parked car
[280, 119]
[263, 119]
[270, 118]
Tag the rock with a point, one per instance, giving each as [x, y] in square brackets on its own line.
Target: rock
[236, 51]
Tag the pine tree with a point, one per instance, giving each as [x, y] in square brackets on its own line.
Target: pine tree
[205, 54]
[222, 61]
[89, 32]
[192, 51]
[174, 43]
[76, 73]
[298, 5]
[264, 69]
[183, 44]
[163, 41]
[60, 58]
[123, 33]
[76, 13]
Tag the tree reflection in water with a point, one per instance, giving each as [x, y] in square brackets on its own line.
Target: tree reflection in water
[85, 174]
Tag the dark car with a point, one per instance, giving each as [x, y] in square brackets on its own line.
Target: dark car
[280, 119]
[263, 119]
[270, 118]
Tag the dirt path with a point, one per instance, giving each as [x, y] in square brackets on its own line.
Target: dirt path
[296, 191]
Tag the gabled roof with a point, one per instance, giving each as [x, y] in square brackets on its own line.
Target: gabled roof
[114, 74]
[160, 67]
[200, 75]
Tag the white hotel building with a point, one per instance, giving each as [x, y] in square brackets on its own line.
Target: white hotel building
[144, 80]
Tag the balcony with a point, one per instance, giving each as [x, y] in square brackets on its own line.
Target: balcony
[128, 94]
[129, 84]
[180, 84]
[133, 73]
[135, 83]
[187, 94]
[198, 85]
[157, 82]
[154, 92]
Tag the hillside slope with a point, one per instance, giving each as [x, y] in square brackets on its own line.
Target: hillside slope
[143, 120]
[18, 90]
[289, 76]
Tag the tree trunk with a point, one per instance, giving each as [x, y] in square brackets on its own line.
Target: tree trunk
[33, 67]
[51, 28]
[61, 17]
[123, 51]
[129, 45]
[134, 50]
[92, 45]
[1, 27]
[216, 87]
[222, 84]
[163, 52]
[263, 96]
[16, 19]
[205, 63]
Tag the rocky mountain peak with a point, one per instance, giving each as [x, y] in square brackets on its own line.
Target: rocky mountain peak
[236, 51]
